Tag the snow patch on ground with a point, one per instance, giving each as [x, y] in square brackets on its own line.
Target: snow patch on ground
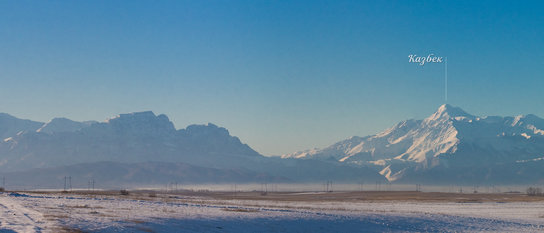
[17, 218]
[177, 213]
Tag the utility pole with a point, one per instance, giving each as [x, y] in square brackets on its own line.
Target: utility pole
[64, 184]
[70, 179]
[90, 184]
[328, 186]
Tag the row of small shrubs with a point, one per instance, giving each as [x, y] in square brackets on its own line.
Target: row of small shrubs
[532, 191]
[124, 192]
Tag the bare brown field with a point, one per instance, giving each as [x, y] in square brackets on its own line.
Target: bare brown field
[380, 196]
[349, 196]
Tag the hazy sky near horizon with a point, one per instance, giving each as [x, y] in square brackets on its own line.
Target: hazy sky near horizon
[281, 75]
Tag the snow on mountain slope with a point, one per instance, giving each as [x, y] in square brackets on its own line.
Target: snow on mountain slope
[333, 152]
[448, 138]
[63, 125]
[143, 136]
[132, 137]
[10, 126]
[408, 140]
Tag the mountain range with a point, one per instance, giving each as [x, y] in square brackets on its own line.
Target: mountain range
[450, 146]
[133, 137]
[143, 140]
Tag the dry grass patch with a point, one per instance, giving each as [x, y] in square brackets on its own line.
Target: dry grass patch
[240, 210]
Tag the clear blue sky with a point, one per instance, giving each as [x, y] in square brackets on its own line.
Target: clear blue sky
[281, 75]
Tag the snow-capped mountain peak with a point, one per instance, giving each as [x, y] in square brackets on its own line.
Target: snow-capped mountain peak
[446, 112]
[450, 137]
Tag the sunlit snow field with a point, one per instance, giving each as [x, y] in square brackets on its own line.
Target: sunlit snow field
[49, 212]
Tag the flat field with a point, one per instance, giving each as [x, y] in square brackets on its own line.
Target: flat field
[152, 211]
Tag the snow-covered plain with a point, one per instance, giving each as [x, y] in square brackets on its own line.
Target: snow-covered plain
[30, 212]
